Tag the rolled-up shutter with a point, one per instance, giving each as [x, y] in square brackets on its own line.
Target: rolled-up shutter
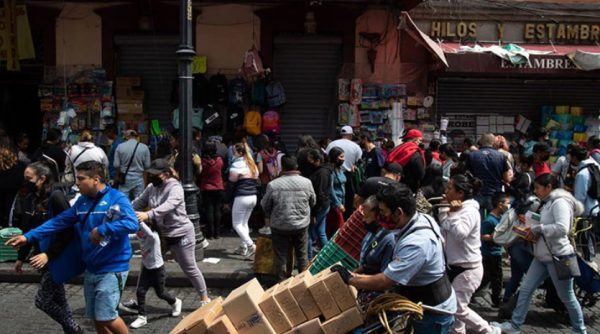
[153, 58]
[307, 66]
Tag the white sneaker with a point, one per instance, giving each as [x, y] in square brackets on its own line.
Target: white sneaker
[505, 327]
[205, 243]
[139, 322]
[242, 250]
[204, 303]
[176, 308]
[265, 230]
[250, 251]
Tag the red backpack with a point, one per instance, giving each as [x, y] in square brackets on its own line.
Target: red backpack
[271, 122]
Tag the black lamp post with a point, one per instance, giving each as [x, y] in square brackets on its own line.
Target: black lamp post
[185, 52]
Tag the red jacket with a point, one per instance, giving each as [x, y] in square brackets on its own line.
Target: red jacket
[211, 177]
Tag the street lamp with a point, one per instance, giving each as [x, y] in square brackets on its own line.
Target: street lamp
[185, 53]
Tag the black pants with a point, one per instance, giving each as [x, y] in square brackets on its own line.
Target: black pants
[281, 241]
[155, 278]
[350, 188]
[51, 298]
[492, 274]
[212, 202]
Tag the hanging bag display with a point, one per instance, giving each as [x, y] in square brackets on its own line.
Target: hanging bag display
[252, 63]
[271, 122]
[253, 122]
[275, 94]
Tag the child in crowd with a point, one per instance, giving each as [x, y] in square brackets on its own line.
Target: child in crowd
[153, 274]
[541, 154]
[490, 252]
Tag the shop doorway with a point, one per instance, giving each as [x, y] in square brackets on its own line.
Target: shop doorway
[307, 66]
[153, 59]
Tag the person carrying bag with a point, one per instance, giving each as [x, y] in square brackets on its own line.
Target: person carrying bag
[120, 178]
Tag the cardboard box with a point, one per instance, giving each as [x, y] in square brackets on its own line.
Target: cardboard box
[323, 297]
[341, 292]
[288, 304]
[241, 306]
[344, 322]
[222, 325]
[299, 288]
[198, 321]
[273, 311]
[130, 107]
[310, 327]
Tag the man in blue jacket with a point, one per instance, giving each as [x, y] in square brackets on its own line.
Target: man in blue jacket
[103, 217]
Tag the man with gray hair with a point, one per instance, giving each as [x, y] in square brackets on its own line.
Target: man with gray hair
[132, 158]
[492, 168]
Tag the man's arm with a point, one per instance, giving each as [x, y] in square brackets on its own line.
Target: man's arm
[267, 201]
[377, 282]
[126, 224]
[117, 160]
[64, 220]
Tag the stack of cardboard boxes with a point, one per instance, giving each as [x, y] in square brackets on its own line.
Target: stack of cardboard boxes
[130, 106]
[304, 304]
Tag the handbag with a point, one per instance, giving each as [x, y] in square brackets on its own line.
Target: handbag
[69, 263]
[566, 265]
[120, 177]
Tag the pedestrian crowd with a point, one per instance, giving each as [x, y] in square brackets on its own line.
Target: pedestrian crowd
[430, 214]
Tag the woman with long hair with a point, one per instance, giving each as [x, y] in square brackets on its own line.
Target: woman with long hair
[460, 226]
[39, 202]
[559, 208]
[165, 200]
[338, 186]
[243, 178]
[11, 179]
[212, 187]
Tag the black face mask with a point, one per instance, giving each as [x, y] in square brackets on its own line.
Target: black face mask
[339, 163]
[30, 186]
[372, 227]
[156, 181]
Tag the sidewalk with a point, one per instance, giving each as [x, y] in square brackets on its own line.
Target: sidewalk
[231, 271]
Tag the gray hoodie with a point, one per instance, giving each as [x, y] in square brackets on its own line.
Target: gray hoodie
[167, 208]
[461, 230]
[556, 219]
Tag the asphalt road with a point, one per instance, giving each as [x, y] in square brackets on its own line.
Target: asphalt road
[18, 313]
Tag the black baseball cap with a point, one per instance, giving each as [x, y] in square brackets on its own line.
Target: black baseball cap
[158, 166]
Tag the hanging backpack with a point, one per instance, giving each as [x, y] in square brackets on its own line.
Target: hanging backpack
[275, 94]
[237, 91]
[252, 63]
[259, 97]
[218, 89]
[213, 119]
[235, 118]
[252, 122]
[271, 122]
[200, 91]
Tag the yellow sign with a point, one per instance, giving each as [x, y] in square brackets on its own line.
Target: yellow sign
[199, 64]
[562, 32]
[15, 35]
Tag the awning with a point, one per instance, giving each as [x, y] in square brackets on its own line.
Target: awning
[550, 49]
[409, 26]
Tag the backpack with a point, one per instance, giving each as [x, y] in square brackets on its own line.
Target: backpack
[258, 92]
[594, 189]
[235, 118]
[218, 89]
[200, 91]
[271, 122]
[275, 94]
[252, 63]
[503, 234]
[237, 91]
[271, 164]
[212, 118]
[252, 122]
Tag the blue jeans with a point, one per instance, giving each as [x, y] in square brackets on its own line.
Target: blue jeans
[520, 259]
[317, 231]
[537, 273]
[433, 324]
[102, 294]
[133, 187]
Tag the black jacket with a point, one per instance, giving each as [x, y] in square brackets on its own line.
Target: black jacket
[321, 181]
[413, 172]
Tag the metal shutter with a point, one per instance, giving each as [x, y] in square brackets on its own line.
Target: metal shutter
[307, 66]
[153, 58]
[514, 96]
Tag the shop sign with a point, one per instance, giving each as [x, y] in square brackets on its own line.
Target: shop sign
[542, 63]
[460, 126]
[531, 32]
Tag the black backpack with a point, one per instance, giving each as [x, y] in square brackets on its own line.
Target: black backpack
[200, 90]
[594, 190]
[218, 89]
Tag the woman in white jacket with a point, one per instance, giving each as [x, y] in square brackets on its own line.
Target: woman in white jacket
[85, 150]
[559, 208]
[460, 226]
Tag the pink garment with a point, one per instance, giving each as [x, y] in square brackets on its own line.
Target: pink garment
[464, 286]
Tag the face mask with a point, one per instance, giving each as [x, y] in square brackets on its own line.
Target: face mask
[156, 181]
[387, 223]
[339, 163]
[372, 227]
[30, 186]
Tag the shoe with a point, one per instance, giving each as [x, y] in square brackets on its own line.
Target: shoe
[505, 327]
[265, 230]
[205, 243]
[250, 251]
[204, 303]
[496, 330]
[242, 250]
[139, 322]
[176, 308]
[129, 307]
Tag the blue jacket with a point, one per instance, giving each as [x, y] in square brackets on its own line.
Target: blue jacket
[338, 187]
[115, 256]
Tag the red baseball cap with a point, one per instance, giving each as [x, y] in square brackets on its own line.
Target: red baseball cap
[413, 133]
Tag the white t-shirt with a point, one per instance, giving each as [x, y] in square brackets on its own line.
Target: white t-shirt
[352, 151]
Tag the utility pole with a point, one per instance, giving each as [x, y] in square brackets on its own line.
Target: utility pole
[185, 53]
